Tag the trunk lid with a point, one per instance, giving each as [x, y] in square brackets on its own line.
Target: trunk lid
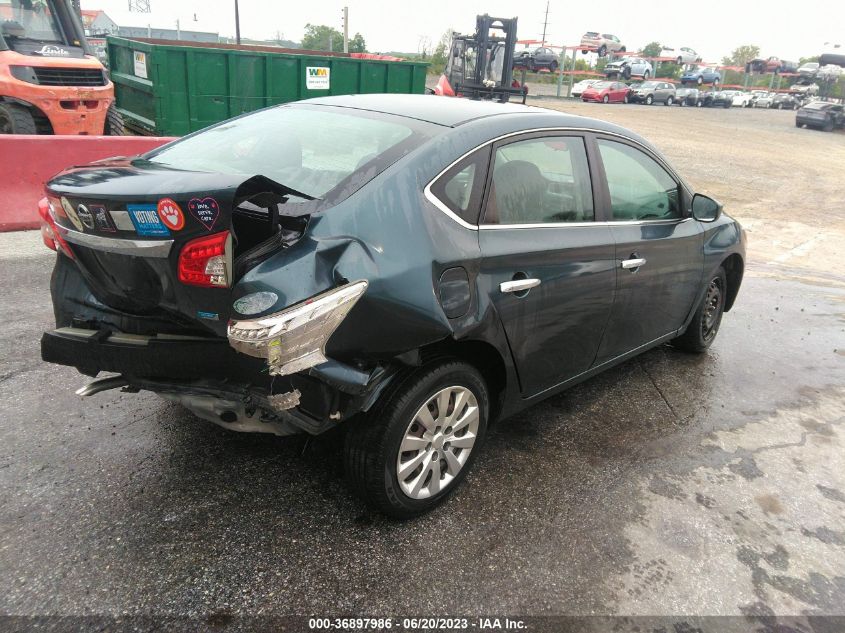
[128, 220]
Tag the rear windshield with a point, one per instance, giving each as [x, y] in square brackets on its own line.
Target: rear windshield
[312, 149]
[817, 105]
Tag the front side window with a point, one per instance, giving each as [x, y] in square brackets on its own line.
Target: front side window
[540, 181]
[310, 149]
[640, 189]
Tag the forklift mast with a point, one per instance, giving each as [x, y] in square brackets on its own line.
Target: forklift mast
[480, 66]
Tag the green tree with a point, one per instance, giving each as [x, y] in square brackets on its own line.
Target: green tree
[652, 49]
[356, 44]
[742, 55]
[319, 37]
[438, 57]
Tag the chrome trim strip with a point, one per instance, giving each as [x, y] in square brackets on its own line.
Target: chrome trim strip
[139, 248]
[442, 207]
[496, 227]
[518, 285]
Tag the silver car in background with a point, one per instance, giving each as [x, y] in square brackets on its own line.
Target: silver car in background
[629, 67]
[649, 92]
[683, 55]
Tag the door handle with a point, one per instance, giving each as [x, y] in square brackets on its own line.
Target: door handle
[518, 285]
[630, 264]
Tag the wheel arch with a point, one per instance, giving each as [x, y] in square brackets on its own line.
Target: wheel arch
[734, 269]
[42, 121]
[484, 356]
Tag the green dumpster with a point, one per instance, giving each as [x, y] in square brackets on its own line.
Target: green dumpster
[171, 88]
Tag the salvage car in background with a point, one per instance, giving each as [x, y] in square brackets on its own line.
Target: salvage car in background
[724, 98]
[821, 115]
[603, 43]
[808, 70]
[764, 101]
[628, 67]
[683, 55]
[607, 92]
[406, 268]
[579, 87]
[649, 92]
[541, 57]
[784, 101]
[689, 97]
[701, 76]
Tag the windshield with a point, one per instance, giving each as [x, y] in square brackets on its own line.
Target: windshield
[599, 85]
[29, 19]
[309, 149]
[649, 84]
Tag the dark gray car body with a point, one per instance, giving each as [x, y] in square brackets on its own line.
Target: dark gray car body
[434, 277]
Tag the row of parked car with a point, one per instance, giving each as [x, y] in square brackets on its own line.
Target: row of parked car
[667, 93]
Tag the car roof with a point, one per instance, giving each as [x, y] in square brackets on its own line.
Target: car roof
[448, 111]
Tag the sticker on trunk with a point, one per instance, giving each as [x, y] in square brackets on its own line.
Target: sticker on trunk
[206, 210]
[171, 214]
[70, 212]
[146, 220]
[102, 219]
[85, 216]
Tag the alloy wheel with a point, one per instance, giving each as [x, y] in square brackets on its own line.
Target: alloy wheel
[437, 443]
[712, 310]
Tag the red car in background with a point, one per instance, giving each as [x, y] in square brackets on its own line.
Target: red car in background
[607, 92]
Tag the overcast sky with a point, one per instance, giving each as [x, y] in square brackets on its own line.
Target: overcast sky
[712, 28]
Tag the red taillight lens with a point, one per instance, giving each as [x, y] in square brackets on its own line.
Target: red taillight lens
[204, 261]
[49, 233]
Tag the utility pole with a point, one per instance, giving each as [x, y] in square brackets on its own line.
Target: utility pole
[545, 22]
[345, 29]
[237, 24]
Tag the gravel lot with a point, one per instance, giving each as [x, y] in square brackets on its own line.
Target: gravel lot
[673, 484]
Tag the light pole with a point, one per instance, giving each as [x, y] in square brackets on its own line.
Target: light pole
[237, 24]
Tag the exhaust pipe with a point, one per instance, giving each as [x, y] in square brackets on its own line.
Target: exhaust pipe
[104, 384]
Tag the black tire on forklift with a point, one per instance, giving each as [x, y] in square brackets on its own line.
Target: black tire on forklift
[16, 119]
[114, 123]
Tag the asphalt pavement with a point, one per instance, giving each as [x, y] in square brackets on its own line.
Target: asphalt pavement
[711, 484]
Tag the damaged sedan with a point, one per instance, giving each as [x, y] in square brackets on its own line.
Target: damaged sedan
[408, 269]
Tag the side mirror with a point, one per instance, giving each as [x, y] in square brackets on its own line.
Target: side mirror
[705, 209]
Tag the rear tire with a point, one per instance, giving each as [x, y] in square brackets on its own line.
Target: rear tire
[16, 119]
[114, 123]
[553, 67]
[705, 323]
[394, 433]
[828, 125]
[669, 100]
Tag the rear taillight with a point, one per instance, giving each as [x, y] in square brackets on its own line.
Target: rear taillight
[205, 261]
[49, 232]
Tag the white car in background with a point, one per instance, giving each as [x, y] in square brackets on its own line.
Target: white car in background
[829, 72]
[683, 55]
[579, 88]
[603, 43]
[742, 99]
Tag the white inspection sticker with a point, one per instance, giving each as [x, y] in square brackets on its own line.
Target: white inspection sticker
[317, 77]
[140, 64]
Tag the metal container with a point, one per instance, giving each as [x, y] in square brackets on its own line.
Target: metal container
[172, 88]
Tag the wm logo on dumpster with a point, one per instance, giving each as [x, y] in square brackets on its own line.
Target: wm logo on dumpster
[317, 77]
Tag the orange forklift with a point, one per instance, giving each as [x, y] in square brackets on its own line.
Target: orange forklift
[50, 80]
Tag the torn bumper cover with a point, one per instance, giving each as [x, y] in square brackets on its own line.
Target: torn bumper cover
[294, 339]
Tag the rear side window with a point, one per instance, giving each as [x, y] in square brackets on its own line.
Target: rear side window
[540, 181]
[640, 189]
[462, 186]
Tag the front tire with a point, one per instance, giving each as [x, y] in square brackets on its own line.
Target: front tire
[705, 323]
[114, 122]
[408, 453]
[602, 50]
[16, 119]
[605, 99]
[649, 100]
[669, 100]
